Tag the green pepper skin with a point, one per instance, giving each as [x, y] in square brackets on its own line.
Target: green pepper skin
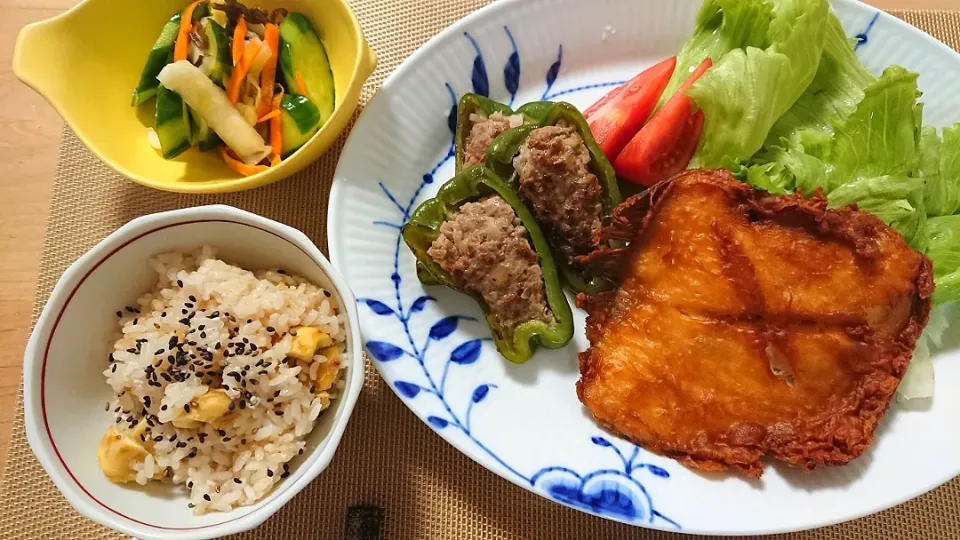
[470, 104]
[547, 113]
[424, 227]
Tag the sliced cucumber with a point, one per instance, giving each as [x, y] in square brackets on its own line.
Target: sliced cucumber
[159, 56]
[201, 135]
[172, 123]
[301, 51]
[217, 60]
[300, 120]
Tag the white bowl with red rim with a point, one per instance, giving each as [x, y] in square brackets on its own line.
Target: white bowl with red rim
[64, 389]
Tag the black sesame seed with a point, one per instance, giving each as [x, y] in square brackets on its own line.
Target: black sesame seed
[203, 335]
[232, 406]
[206, 497]
[135, 321]
[189, 305]
[227, 439]
[119, 314]
[166, 377]
[159, 352]
[163, 407]
[158, 438]
[270, 473]
[146, 400]
[184, 311]
[313, 389]
[243, 441]
[192, 298]
[217, 346]
[181, 444]
[118, 420]
[243, 404]
[278, 412]
[281, 271]
[172, 343]
[173, 437]
[237, 481]
[193, 453]
[131, 350]
[113, 368]
[186, 408]
[180, 283]
[106, 407]
[285, 474]
[221, 432]
[143, 438]
[276, 394]
[190, 505]
[326, 293]
[164, 314]
[184, 321]
[300, 452]
[249, 321]
[271, 329]
[132, 309]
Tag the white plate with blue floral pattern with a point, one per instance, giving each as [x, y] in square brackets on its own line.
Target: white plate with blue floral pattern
[524, 422]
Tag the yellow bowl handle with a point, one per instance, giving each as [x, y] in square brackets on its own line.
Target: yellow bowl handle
[36, 56]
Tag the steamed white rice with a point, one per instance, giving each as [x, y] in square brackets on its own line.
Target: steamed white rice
[209, 325]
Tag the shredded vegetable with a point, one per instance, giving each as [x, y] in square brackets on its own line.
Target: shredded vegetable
[239, 36]
[276, 130]
[239, 166]
[182, 46]
[271, 36]
[301, 86]
[240, 70]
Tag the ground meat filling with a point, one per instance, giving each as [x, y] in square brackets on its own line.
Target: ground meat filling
[564, 195]
[483, 131]
[486, 251]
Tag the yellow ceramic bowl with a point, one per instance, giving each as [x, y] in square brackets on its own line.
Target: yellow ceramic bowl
[87, 62]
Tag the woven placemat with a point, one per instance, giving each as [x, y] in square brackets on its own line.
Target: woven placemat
[388, 457]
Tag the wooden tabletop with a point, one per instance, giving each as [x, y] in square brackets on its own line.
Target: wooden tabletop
[29, 135]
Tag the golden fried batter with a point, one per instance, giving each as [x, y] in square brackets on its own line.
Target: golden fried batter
[747, 325]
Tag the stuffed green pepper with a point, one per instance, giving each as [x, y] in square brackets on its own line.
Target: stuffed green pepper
[480, 120]
[563, 176]
[477, 237]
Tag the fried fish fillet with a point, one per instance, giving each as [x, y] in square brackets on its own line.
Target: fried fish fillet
[748, 325]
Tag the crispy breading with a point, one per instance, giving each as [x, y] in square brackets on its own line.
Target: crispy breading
[748, 325]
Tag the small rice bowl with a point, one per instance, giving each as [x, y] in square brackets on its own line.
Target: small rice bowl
[265, 347]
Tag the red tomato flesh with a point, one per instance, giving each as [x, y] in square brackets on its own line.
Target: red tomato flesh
[619, 115]
[666, 144]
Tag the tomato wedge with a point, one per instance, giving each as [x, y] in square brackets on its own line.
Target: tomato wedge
[619, 115]
[666, 144]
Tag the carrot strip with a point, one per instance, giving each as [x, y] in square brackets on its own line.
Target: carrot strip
[239, 35]
[239, 166]
[276, 128]
[271, 36]
[240, 71]
[268, 116]
[301, 86]
[182, 46]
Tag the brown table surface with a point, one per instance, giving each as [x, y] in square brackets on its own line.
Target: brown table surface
[29, 135]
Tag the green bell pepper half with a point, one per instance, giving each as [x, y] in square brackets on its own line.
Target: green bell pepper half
[517, 344]
[547, 113]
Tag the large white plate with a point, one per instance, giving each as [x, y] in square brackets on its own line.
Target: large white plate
[524, 422]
